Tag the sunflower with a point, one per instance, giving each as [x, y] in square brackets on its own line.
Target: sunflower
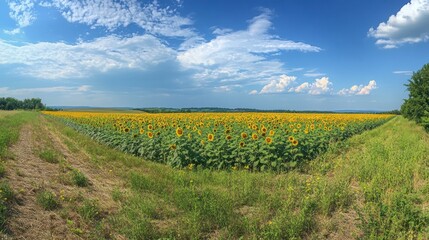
[179, 132]
[228, 137]
[264, 129]
[242, 144]
[298, 125]
[173, 146]
[255, 136]
[141, 131]
[291, 139]
[295, 142]
[127, 130]
[227, 131]
[244, 135]
[149, 127]
[210, 137]
[272, 132]
[150, 134]
[202, 142]
[268, 140]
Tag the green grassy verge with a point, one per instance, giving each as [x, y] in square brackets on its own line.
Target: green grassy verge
[10, 123]
[372, 186]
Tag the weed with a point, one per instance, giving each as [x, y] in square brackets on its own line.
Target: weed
[90, 210]
[79, 178]
[48, 200]
[49, 156]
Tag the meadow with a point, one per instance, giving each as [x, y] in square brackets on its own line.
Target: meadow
[369, 182]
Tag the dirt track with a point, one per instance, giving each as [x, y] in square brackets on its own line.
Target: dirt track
[27, 174]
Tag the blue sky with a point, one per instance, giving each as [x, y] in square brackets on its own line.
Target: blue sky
[267, 54]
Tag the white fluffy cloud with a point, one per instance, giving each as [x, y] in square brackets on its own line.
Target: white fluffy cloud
[359, 90]
[245, 55]
[113, 14]
[22, 12]
[278, 86]
[319, 86]
[409, 25]
[60, 60]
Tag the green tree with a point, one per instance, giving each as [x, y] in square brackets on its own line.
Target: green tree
[416, 107]
[27, 104]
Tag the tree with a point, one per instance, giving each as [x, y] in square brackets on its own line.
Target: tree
[416, 107]
[27, 104]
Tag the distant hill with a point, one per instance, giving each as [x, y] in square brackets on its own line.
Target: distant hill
[202, 109]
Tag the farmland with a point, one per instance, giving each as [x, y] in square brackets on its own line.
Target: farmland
[222, 141]
[371, 185]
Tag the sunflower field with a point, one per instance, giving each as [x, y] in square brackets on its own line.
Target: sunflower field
[250, 141]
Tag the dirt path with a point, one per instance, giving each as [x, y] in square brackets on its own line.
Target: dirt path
[27, 174]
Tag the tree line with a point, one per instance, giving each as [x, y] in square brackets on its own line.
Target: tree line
[26, 104]
[416, 107]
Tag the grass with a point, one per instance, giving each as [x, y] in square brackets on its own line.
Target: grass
[79, 179]
[10, 124]
[372, 186]
[49, 156]
[90, 210]
[48, 200]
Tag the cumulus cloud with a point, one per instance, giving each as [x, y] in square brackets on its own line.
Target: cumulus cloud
[22, 12]
[278, 86]
[241, 55]
[60, 60]
[319, 86]
[359, 89]
[301, 88]
[409, 25]
[112, 14]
